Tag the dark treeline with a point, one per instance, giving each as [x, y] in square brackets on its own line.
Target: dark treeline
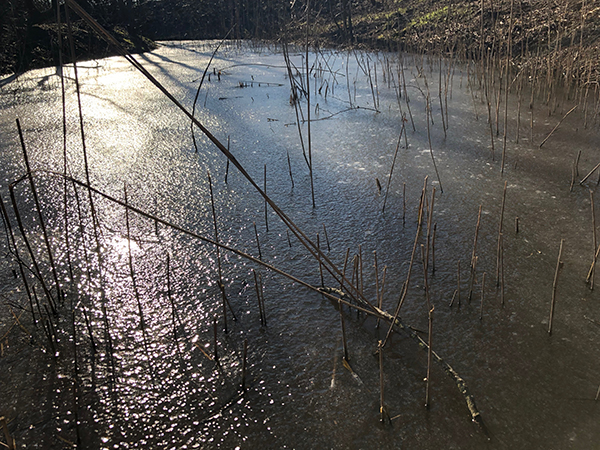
[560, 31]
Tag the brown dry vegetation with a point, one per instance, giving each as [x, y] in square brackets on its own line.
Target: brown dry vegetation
[560, 38]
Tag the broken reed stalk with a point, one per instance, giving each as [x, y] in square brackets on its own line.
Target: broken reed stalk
[572, 176]
[382, 409]
[382, 289]
[558, 124]
[425, 281]
[319, 260]
[429, 356]
[429, 220]
[39, 211]
[482, 295]
[344, 269]
[472, 279]
[387, 189]
[300, 235]
[227, 165]
[359, 280]
[444, 127]
[354, 271]
[344, 342]
[457, 284]
[294, 98]
[589, 174]
[593, 266]
[473, 254]
[378, 297]
[257, 241]
[430, 146]
[289, 168]
[554, 286]
[499, 234]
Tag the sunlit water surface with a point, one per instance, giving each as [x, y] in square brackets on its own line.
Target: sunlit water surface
[161, 389]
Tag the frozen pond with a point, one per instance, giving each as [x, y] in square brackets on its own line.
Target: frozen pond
[145, 309]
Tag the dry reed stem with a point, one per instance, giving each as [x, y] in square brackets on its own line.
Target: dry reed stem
[289, 168]
[482, 295]
[319, 260]
[499, 234]
[257, 240]
[473, 255]
[589, 174]
[377, 293]
[343, 330]
[555, 286]
[382, 408]
[429, 356]
[429, 220]
[557, 125]
[387, 189]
